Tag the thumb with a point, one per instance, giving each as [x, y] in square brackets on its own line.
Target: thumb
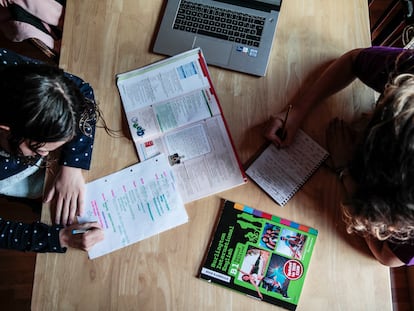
[90, 225]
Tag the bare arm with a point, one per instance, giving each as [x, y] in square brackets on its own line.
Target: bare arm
[334, 78]
[382, 253]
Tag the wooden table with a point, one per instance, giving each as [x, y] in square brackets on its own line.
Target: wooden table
[105, 37]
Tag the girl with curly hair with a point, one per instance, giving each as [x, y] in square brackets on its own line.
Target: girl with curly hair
[380, 167]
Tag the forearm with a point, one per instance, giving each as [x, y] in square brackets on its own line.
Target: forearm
[338, 75]
[36, 237]
[41, 238]
[382, 253]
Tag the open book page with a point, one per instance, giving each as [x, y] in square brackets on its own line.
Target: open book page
[166, 95]
[172, 108]
[281, 172]
[133, 204]
[208, 165]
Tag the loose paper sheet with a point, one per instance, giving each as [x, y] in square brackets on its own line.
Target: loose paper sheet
[133, 204]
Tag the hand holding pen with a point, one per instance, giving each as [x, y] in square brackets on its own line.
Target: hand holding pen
[281, 132]
[277, 129]
[82, 236]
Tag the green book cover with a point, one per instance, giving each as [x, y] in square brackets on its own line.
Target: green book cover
[258, 254]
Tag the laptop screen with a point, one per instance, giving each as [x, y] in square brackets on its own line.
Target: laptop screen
[262, 5]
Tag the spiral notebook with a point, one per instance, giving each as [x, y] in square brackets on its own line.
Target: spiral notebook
[282, 172]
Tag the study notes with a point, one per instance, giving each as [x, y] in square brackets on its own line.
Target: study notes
[172, 108]
[133, 204]
[282, 172]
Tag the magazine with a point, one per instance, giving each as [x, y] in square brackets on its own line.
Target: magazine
[258, 254]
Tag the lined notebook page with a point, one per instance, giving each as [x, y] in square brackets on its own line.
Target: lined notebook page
[282, 172]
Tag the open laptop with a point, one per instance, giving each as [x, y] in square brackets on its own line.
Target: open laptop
[233, 34]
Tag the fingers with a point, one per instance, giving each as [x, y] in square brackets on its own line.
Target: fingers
[58, 210]
[72, 211]
[68, 193]
[90, 225]
[49, 195]
[76, 207]
[274, 124]
[92, 234]
[281, 130]
[80, 203]
[66, 210]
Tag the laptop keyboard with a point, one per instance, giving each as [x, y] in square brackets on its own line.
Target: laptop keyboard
[219, 23]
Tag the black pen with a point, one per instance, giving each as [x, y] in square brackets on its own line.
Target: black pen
[281, 132]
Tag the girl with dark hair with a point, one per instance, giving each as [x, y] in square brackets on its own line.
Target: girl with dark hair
[381, 203]
[43, 109]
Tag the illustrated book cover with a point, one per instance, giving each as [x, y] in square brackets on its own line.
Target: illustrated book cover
[172, 108]
[258, 254]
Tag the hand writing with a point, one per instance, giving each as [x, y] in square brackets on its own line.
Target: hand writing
[274, 128]
[84, 241]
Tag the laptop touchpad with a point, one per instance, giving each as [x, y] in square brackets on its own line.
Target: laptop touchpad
[215, 52]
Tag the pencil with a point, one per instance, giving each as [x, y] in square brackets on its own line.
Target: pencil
[281, 132]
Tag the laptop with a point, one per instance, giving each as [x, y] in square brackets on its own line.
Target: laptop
[233, 34]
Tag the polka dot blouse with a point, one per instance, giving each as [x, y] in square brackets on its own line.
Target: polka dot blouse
[76, 153]
[37, 236]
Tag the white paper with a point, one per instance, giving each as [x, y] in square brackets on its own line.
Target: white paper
[172, 108]
[133, 204]
[281, 172]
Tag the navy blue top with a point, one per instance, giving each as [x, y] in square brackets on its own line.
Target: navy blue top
[77, 153]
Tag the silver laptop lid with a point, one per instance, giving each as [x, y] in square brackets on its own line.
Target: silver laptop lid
[233, 34]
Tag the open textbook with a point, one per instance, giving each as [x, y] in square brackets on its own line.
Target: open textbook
[133, 204]
[258, 254]
[282, 172]
[172, 108]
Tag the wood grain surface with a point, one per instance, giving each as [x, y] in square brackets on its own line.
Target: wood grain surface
[106, 37]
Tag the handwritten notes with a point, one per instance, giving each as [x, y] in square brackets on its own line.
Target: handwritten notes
[133, 204]
[281, 172]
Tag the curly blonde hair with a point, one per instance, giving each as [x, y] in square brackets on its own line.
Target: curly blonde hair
[383, 167]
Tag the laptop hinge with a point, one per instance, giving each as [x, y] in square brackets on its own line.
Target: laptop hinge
[257, 5]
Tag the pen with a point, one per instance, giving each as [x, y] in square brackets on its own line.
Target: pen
[79, 231]
[281, 132]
